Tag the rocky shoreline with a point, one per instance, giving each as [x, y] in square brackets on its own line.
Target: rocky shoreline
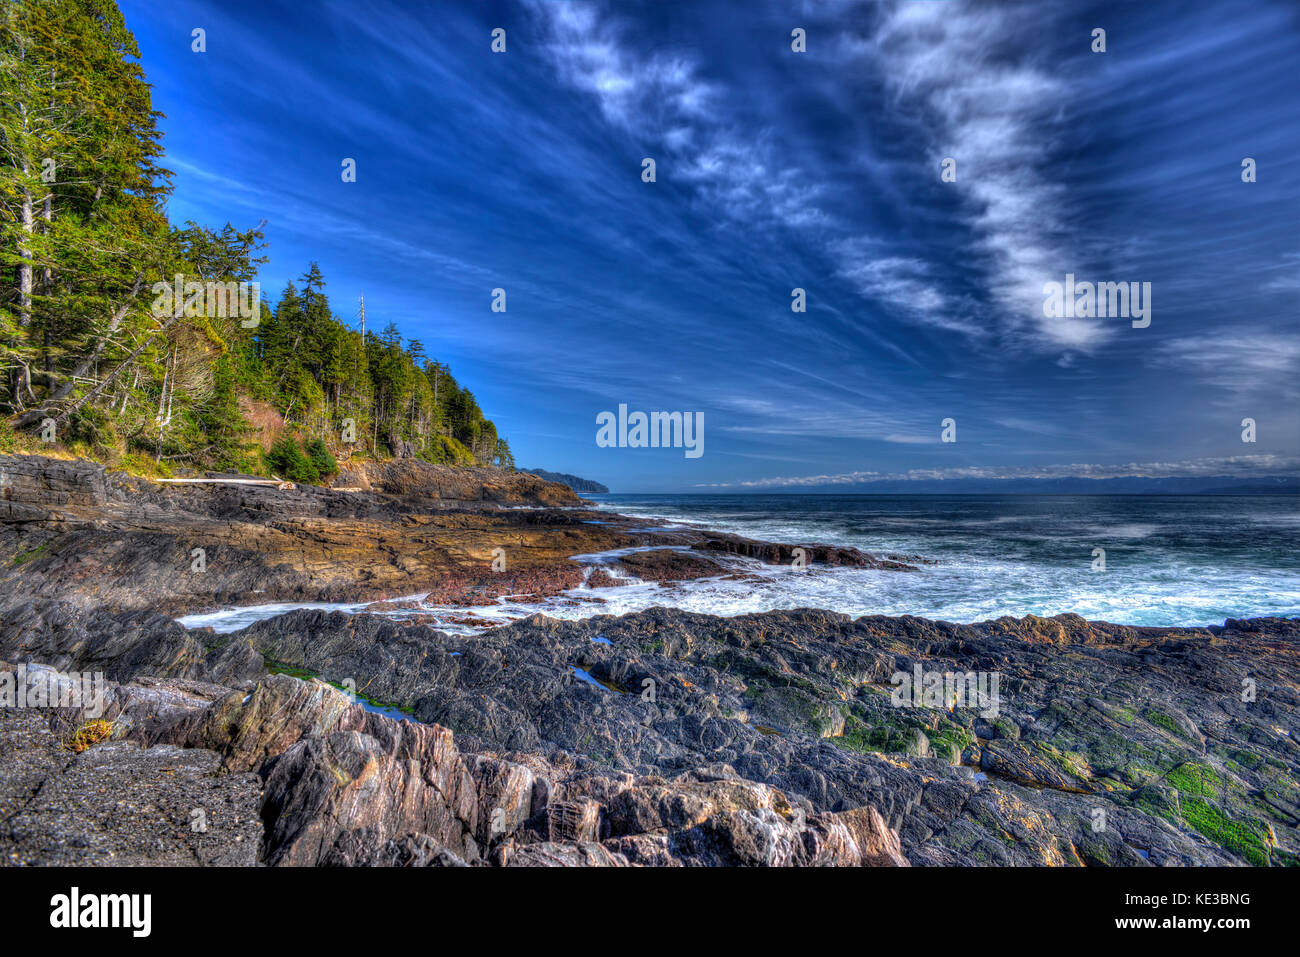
[75, 531]
[660, 738]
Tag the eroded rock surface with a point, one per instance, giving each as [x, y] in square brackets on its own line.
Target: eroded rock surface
[99, 539]
[672, 739]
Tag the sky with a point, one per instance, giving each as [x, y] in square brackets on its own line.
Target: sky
[820, 170]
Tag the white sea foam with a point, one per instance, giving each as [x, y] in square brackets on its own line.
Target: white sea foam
[1039, 562]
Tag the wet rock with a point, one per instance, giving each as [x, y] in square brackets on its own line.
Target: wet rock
[74, 532]
[65, 636]
[1035, 766]
[677, 739]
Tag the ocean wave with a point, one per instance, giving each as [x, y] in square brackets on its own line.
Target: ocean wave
[1172, 563]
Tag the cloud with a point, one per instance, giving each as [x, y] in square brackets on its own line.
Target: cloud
[983, 103]
[1241, 466]
[1035, 426]
[901, 438]
[907, 284]
[664, 100]
[779, 170]
[941, 62]
[634, 88]
[1288, 278]
[795, 414]
[1241, 361]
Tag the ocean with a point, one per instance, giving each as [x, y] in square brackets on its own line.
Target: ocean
[1169, 560]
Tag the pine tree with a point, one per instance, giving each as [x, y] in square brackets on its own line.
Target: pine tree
[80, 190]
[91, 333]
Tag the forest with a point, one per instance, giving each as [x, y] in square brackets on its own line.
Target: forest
[96, 361]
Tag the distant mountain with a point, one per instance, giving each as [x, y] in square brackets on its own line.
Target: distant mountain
[575, 483]
[1128, 485]
[1254, 488]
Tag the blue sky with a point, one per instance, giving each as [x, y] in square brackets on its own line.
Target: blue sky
[777, 170]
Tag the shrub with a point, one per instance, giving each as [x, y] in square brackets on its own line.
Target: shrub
[321, 458]
[88, 735]
[11, 441]
[448, 451]
[287, 460]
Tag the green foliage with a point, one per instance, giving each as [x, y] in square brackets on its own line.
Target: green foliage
[322, 374]
[448, 451]
[1160, 719]
[11, 440]
[287, 459]
[222, 422]
[1247, 838]
[81, 220]
[1203, 794]
[884, 738]
[91, 335]
[321, 458]
[92, 427]
[25, 557]
[950, 741]
[1198, 779]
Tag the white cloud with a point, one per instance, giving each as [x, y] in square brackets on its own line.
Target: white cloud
[1240, 360]
[906, 438]
[662, 97]
[632, 88]
[991, 113]
[1240, 466]
[906, 284]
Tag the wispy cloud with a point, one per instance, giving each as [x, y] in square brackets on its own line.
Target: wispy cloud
[664, 100]
[1241, 360]
[1240, 466]
[986, 104]
[776, 170]
[908, 285]
[646, 90]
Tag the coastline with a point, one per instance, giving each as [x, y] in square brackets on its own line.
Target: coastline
[661, 737]
[91, 536]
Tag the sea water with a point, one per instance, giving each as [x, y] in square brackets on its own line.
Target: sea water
[1168, 560]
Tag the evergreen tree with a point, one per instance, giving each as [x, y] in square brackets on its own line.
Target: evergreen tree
[92, 333]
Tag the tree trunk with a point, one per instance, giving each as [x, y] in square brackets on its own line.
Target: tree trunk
[33, 416]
